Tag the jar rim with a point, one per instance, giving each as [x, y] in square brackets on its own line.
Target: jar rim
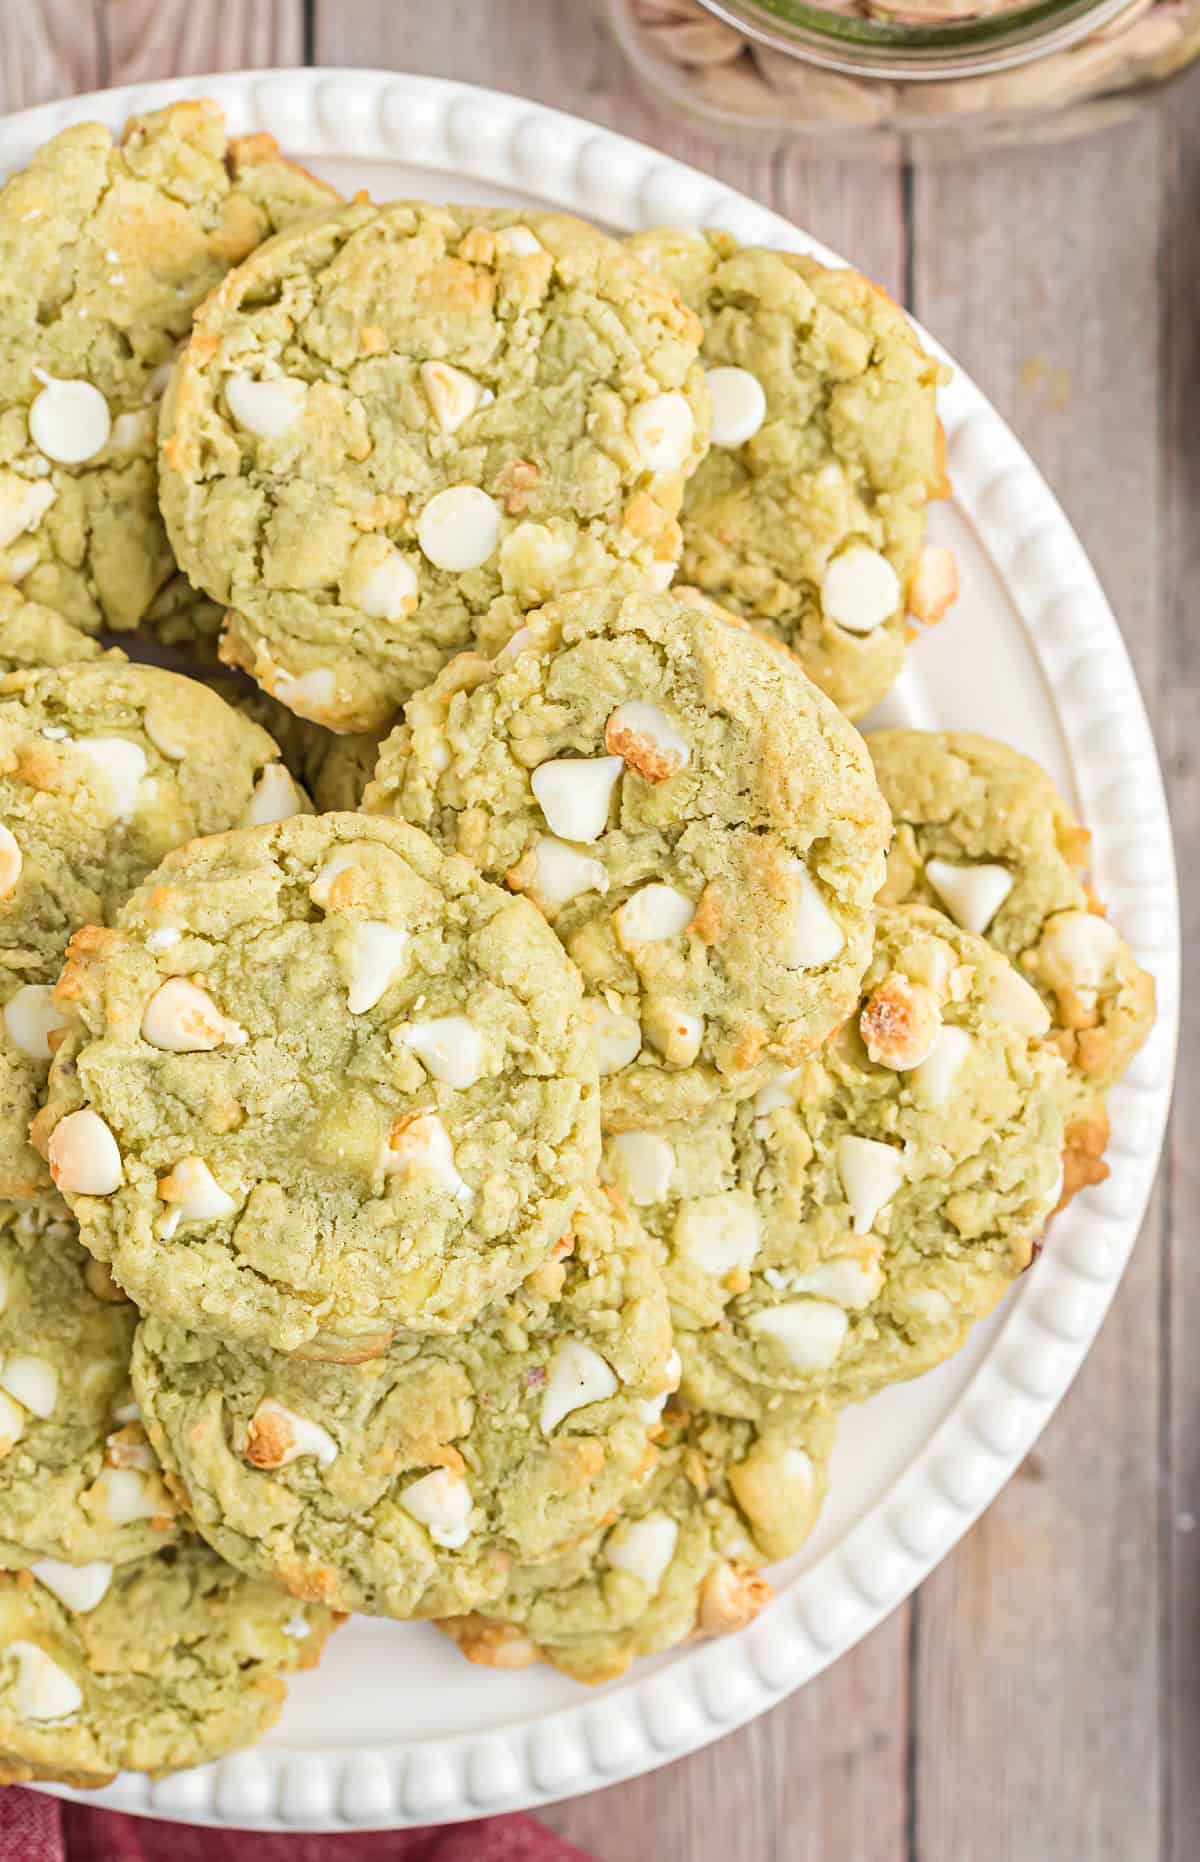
[863, 47]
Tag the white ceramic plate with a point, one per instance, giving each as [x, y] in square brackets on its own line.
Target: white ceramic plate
[396, 1728]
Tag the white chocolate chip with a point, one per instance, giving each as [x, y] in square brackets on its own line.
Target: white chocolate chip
[32, 1381]
[21, 563]
[814, 936]
[441, 1501]
[861, 590]
[419, 1146]
[130, 432]
[676, 1033]
[275, 798]
[11, 862]
[182, 1018]
[1078, 950]
[194, 1193]
[795, 1465]
[338, 862]
[268, 409]
[44, 1691]
[70, 422]
[519, 240]
[389, 588]
[870, 1174]
[739, 405]
[459, 528]
[277, 1436]
[578, 1376]
[646, 1163]
[30, 1018]
[574, 794]
[651, 914]
[512, 649]
[298, 1627]
[83, 1156]
[124, 1495]
[931, 1304]
[643, 1547]
[772, 1097]
[1011, 999]
[123, 766]
[844, 1280]
[378, 951]
[310, 695]
[660, 575]
[651, 1410]
[449, 1045]
[663, 429]
[164, 938]
[12, 1423]
[79, 1587]
[810, 1333]
[452, 394]
[23, 504]
[934, 1079]
[971, 894]
[616, 1038]
[719, 1234]
[156, 382]
[645, 738]
[561, 872]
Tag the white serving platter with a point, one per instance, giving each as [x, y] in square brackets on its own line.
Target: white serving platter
[395, 1728]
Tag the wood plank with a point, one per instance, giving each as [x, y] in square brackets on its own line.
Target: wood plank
[823, 1776]
[170, 38]
[48, 48]
[1038, 1665]
[1180, 730]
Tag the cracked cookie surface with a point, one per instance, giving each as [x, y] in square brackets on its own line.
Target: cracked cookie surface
[173, 1661]
[408, 1485]
[104, 767]
[399, 420]
[322, 1081]
[78, 1480]
[982, 832]
[683, 1559]
[807, 515]
[844, 1228]
[697, 820]
[106, 250]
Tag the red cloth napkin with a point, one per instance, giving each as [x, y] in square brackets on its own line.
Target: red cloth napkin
[34, 1828]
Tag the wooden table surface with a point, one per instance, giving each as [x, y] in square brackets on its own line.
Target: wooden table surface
[1039, 1700]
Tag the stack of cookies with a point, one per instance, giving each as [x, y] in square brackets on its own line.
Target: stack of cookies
[483, 1081]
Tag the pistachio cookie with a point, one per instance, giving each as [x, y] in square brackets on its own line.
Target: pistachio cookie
[693, 815]
[164, 1663]
[104, 766]
[845, 1228]
[408, 1485]
[105, 252]
[79, 1485]
[321, 1082]
[807, 517]
[31, 635]
[982, 832]
[682, 1560]
[398, 419]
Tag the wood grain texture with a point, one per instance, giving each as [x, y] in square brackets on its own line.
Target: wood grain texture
[1040, 1702]
[170, 38]
[49, 49]
[1037, 270]
[1179, 735]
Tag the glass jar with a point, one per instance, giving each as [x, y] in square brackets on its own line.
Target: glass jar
[928, 77]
